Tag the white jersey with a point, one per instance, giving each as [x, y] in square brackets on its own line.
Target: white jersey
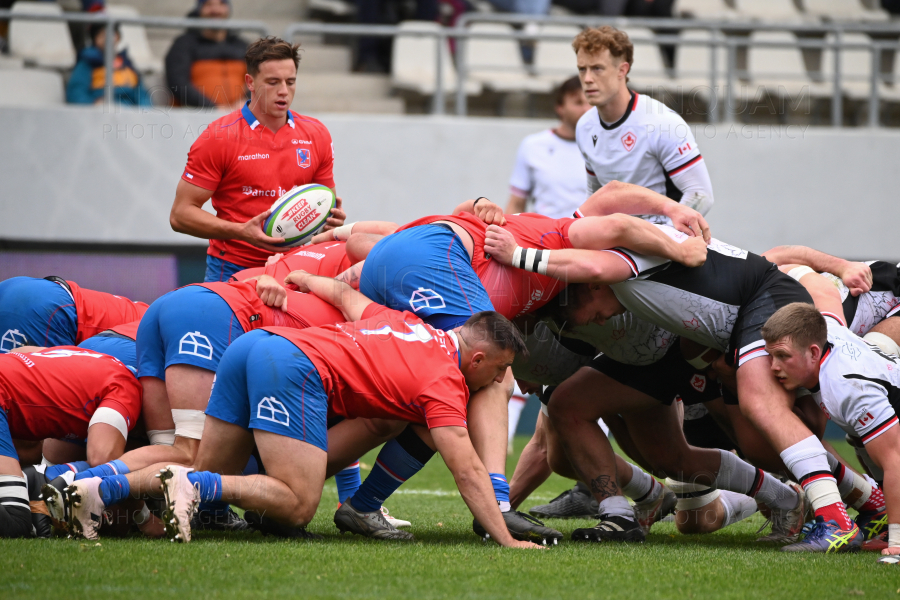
[867, 310]
[548, 169]
[650, 146]
[859, 386]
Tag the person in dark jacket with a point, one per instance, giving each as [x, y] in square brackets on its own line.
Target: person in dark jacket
[205, 67]
[88, 79]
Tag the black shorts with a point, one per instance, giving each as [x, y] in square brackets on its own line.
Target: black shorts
[746, 337]
[663, 380]
[706, 433]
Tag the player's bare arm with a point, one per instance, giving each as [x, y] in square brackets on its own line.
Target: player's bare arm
[343, 233]
[187, 216]
[624, 231]
[104, 443]
[626, 198]
[825, 296]
[337, 293]
[857, 276]
[473, 482]
[885, 451]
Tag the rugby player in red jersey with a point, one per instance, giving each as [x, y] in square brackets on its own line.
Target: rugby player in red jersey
[56, 312]
[249, 158]
[67, 393]
[277, 388]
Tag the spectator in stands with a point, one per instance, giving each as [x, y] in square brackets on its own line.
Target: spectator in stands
[374, 54]
[88, 79]
[549, 167]
[525, 7]
[205, 67]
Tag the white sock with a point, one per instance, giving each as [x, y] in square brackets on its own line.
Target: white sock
[641, 488]
[808, 462]
[737, 507]
[735, 475]
[855, 491]
[617, 506]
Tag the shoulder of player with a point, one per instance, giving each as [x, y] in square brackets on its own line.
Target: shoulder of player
[588, 122]
[310, 124]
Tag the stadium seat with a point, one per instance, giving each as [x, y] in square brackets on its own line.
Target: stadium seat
[648, 70]
[554, 60]
[11, 62]
[704, 9]
[41, 43]
[782, 11]
[780, 70]
[692, 63]
[842, 10]
[134, 37]
[31, 88]
[856, 70]
[415, 58]
[497, 63]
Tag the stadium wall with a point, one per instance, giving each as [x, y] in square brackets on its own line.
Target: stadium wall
[75, 175]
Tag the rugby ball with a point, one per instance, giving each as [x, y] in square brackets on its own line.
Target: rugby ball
[299, 214]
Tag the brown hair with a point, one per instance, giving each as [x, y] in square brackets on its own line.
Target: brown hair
[270, 48]
[800, 321]
[494, 328]
[595, 39]
[569, 86]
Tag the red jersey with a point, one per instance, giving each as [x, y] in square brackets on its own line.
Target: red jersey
[129, 330]
[99, 311]
[247, 167]
[303, 310]
[389, 365]
[513, 291]
[328, 259]
[55, 392]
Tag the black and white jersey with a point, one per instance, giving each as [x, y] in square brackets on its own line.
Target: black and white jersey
[721, 304]
[626, 339]
[859, 386]
[867, 310]
[650, 146]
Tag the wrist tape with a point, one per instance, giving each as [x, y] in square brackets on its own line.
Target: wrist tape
[342, 233]
[894, 535]
[531, 259]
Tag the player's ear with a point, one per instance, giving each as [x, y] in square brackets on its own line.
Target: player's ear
[248, 79]
[815, 352]
[478, 357]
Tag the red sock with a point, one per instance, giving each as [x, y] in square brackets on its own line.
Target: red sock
[875, 503]
[836, 512]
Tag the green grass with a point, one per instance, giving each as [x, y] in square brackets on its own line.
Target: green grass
[447, 560]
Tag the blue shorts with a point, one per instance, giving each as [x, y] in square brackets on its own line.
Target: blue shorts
[36, 312]
[425, 270]
[265, 382]
[6, 444]
[219, 270]
[190, 326]
[116, 345]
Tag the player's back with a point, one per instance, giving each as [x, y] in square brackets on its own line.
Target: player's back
[303, 310]
[328, 259]
[54, 392]
[387, 365]
[99, 311]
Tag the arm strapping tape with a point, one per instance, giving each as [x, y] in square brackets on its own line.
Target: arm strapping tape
[798, 272]
[342, 233]
[107, 415]
[531, 259]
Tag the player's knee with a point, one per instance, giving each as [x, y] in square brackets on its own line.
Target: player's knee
[384, 428]
[697, 521]
[15, 521]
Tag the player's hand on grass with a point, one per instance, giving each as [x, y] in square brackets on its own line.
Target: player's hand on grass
[489, 212]
[525, 545]
[895, 551]
[337, 218]
[500, 244]
[693, 252]
[299, 279]
[687, 220]
[271, 292]
[252, 233]
[857, 277]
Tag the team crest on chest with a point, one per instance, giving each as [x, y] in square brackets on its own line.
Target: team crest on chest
[698, 382]
[304, 158]
[628, 140]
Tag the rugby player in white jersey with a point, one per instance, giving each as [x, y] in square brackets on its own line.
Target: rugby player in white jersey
[631, 137]
[855, 383]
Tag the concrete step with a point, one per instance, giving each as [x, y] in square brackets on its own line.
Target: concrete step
[324, 58]
[343, 85]
[314, 105]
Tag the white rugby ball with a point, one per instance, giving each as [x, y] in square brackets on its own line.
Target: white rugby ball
[300, 214]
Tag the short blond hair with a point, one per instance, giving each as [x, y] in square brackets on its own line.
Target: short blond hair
[800, 321]
[594, 39]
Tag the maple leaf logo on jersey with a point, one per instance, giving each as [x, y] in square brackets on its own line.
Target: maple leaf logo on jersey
[629, 140]
[304, 158]
[698, 382]
[692, 325]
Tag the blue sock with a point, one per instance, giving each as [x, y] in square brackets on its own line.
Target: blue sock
[348, 481]
[56, 470]
[209, 484]
[501, 490]
[399, 459]
[114, 489]
[220, 508]
[113, 467]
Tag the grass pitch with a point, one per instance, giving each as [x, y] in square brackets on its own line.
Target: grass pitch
[447, 560]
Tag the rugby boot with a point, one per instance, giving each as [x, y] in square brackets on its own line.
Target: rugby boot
[611, 528]
[524, 528]
[826, 537]
[576, 503]
[371, 524]
[268, 526]
[182, 498]
[653, 512]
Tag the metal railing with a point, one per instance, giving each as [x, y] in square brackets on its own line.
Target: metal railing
[728, 35]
